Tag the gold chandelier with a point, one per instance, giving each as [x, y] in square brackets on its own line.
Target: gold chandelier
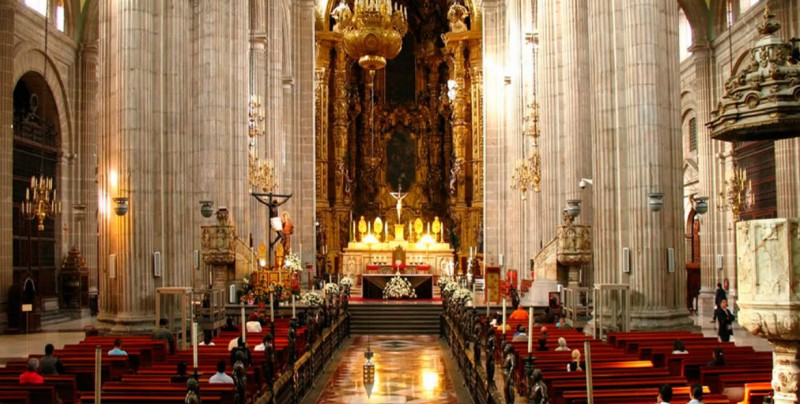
[261, 174]
[528, 170]
[374, 33]
[43, 203]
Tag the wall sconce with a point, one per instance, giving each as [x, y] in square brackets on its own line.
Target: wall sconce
[573, 208]
[206, 208]
[655, 201]
[701, 205]
[120, 205]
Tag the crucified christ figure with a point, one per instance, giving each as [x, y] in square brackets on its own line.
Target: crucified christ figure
[399, 196]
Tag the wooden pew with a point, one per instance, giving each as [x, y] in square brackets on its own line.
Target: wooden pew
[754, 393]
[38, 393]
[65, 385]
[15, 397]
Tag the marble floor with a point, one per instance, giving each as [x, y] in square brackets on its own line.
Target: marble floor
[16, 346]
[408, 369]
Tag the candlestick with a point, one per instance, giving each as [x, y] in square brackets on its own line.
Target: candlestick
[487, 308]
[501, 259]
[386, 233]
[271, 307]
[244, 323]
[194, 344]
[294, 314]
[530, 329]
[504, 317]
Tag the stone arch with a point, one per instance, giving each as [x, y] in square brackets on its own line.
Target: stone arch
[91, 22]
[28, 58]
[698, 16]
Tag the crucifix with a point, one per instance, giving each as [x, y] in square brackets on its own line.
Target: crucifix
[272, 201]
[399, 196]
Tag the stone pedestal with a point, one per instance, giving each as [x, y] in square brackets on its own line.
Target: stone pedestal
[768, 260]
[218, 251]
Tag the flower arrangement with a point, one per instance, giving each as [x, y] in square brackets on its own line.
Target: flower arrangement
[346, 281]
[295, 287]
[398, 287]
[311, 299]
[331, 289]
[443, 281]
[450, 288]
[462, 296]
[292, 263]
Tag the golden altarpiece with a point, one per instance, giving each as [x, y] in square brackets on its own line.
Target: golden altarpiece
[416, 132]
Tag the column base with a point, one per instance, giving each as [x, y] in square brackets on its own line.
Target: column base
[662, 319]
[786, 372]
[705, 304]
[125, 323]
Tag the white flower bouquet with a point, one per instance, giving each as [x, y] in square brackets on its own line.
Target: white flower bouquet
[450, 288]
[462, 296]
[443, 281]
[311, 299]
[292, 263]
[331, 289]
[346, 281]
[397, 288]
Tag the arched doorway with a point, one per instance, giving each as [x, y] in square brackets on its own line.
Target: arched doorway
[36, 142]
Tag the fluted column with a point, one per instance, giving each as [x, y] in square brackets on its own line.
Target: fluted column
[85, 222]
[496, 183]
[257, 84]
[787, 177]
[702, 59]
[6, 149]
[638, 151]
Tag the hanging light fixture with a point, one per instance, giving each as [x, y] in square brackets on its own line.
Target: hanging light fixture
[261, 174]
[41, 197]
[528, 170]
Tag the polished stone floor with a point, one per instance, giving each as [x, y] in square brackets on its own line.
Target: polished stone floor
[408, 369]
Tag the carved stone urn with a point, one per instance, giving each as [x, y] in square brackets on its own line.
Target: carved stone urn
[768, 261]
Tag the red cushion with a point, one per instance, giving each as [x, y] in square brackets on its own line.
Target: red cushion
[424, 267]
[373, 267]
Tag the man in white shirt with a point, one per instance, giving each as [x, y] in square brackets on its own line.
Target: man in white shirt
[253, 326]
[263, 345]
[220, 377]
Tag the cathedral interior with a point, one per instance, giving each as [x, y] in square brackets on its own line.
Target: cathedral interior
[643, 152]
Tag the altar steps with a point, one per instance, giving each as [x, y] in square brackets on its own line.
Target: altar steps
[389, 318]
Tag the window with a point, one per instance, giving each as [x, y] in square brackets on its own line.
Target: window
[40, 6]
[745, 4]
[693, 134]
[684, 35]
[60, 15]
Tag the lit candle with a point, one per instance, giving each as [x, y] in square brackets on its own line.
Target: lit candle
[194, 344]
[504, 316]
[501, 259]
[244, 322]
[530, 329]
[487, 308]
[386, 233]
[27, 194]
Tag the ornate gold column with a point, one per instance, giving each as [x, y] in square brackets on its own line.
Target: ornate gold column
[454, 46]
[321, 75]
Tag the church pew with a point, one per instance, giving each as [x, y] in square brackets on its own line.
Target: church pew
[38, 393]
[720, 377]
[15, 397]
[223, 392]
[65, 385]
[159, 348]
[689, 365]
[660, 353]
[83, 371]
[559, 388]
[615, 338]
[122, 398]
[754, 393]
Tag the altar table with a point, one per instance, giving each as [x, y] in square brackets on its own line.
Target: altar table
[373, 285]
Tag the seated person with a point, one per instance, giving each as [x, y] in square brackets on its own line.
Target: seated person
[163, 334]
[664, 394]
[181, 377]
[562, 345]
[117, 350]
[29, 376]
[547, 317]
[50, 364]
[678, 347]
[696, 394]
[229, 326]
[206, 340]
[576, 364]
[542, 345]
[543, 332]
[719, 358]
[520, 331]
[263, 345]
[253, 326]
[241, 347]
[220, 377]
[519, 314]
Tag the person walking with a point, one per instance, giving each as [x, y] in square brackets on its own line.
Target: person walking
[719, 296]
[724, 321]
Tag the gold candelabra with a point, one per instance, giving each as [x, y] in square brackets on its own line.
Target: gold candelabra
[374, 32]
[40, 200]
[255, 117]
[735, 193]
[528, 170]
[262, 175]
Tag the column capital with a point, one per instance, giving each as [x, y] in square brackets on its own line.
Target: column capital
[700, 48]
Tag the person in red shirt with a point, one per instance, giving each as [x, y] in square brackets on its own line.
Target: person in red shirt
[518, 314]
[29, 376]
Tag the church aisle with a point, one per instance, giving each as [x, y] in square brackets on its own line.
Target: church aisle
[408, 369]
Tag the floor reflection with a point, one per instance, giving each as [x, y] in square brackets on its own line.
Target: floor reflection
[408, 369]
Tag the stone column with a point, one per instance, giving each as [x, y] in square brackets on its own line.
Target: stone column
[257, 84]
[638, 151]
[709, 170]
[85, 204]
[7, 8]
[496, 181]
[787, 177]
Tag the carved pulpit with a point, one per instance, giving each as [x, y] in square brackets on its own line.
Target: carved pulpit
[574, 247]
[218, 250]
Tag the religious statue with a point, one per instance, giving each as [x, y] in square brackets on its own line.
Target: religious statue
[288, 230]
[269, 361]
[240, 378]
[509, 364]
[490, 358]
[477, 330]
[538, 389]
[399, 196]
[456, 16]
[292, 349]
